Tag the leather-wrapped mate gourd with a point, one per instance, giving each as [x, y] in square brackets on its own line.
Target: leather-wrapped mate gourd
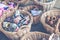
[47, 4]
[36, 11]
[19, 20]
[51, 20]
[35, 36]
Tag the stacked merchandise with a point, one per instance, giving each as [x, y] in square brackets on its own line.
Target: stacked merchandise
[14, 22]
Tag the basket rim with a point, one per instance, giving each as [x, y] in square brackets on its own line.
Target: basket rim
[31, 33]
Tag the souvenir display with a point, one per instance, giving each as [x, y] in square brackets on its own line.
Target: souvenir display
[16, 21]
[19, 19]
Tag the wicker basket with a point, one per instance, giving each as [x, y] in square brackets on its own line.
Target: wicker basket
[47, 5]
[35, 18]
[21, 31]
[35, 36]
[49, 28]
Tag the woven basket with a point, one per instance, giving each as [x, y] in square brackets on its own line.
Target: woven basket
[49, 28]
[35, 18]
[47, 5]
[21, 32]
[35, 36]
